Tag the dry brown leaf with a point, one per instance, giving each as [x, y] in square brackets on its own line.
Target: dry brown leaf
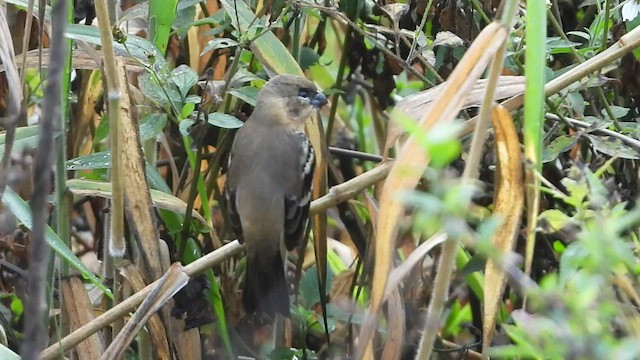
[136, 190]
[86, 115]
[341, 286]
[509, 202]
[79, 312]
[103, 189]
[80, 60]
[187, 342]
[419, 103]
[156, 328]
[394, 342]
[625, 284]
[412, 260]
[416, 104]
[411, 163]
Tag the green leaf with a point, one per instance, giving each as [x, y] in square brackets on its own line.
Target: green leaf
[559, 247]
[613, 147]
[308, 57]
[185, 78]
[309, 293]
[99, 160]
[184, 19]
[443, 144]
[219, 43]
[21, 210]
[218, 21]
[267, 48]
[618, 111]
[556, 45]
[185, 126]
[187, 109]
[578, 191]
[577, 103]
[248, 94]
[151, 125]
[155, 180]
[556, 147]
[224, 121]
[156, 91]
[16, 306]
[139, 48]
[26, 138]
[103, 189]
[102, 131]
[555, 219]
[102, 160]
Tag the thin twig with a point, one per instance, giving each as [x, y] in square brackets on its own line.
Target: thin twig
[36, 310]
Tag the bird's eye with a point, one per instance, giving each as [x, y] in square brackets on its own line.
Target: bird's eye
[304, 93]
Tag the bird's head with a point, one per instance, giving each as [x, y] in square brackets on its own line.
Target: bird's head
[291, 96]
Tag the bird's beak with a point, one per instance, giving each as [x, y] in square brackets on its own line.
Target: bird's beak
[318, 100]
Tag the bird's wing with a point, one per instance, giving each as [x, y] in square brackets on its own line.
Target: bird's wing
[298, 199]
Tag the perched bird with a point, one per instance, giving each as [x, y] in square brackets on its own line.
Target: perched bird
[268, 187]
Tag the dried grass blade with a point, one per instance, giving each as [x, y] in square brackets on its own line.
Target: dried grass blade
[509, 202]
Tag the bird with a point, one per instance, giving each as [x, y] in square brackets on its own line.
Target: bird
[268, 188]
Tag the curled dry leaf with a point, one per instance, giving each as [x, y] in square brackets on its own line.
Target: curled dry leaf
[447, 38]
[419, 103]
[509, 202]
[412, 260]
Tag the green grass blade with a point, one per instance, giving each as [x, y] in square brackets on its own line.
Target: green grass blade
[161, 16]
[534, 97]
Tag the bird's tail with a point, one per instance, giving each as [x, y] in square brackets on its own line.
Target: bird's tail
[265, 286]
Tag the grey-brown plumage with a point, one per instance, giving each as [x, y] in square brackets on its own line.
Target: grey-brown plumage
[268, 187]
